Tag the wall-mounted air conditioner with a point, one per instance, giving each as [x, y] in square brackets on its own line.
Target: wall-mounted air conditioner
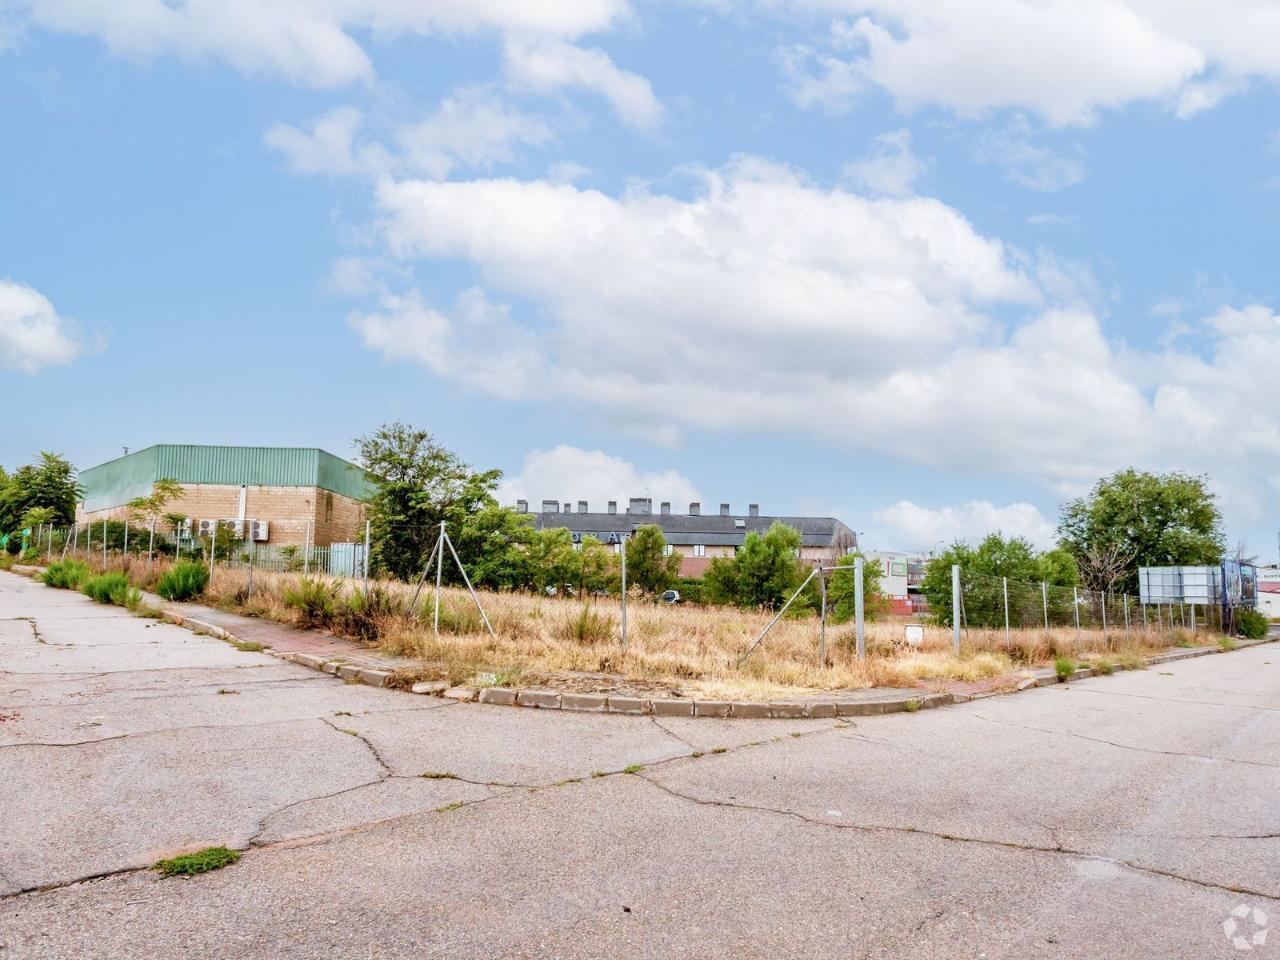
[259, 529]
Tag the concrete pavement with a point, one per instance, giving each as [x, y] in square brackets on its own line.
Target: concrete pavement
[1122, 816]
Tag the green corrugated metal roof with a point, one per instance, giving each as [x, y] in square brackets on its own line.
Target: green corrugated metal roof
[119, 481]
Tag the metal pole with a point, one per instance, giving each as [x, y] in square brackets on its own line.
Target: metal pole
[1006, 608]
[151, 543]
[306, 550]
[65, 541]
[366, 561]
[213, 549]
[470, 589]
[955, 608]
[1193, 618]
[104, 543]
[1044, 595]
[1126, 615]
[413, 606]
[751, 649]
[859, 614]
[439, 573]
[1075, 605]
[822, 628]
[88, 544]
[623, 548]
[126, 536]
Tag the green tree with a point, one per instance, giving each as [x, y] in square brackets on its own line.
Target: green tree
[765, 571]
[552, 561]
[983, 568]
[1144, 519]
[417, 484]
[494, 544]
[597, 567]
[49, 482]
[648, 565]
[841, 596]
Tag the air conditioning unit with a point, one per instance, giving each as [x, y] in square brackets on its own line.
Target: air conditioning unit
[184, 529]
[259, 529]
[234, 527]
[206, 527]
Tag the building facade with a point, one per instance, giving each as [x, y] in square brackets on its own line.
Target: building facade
[297, 495]
[696, 537]
[901, 579]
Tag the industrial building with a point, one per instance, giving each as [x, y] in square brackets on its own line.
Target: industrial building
[280, 496]
[695, 536]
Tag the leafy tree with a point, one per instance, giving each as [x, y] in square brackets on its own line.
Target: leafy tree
[494, 544]
[1152, 519]
[418, 484]
[765, 571]
[983, 566]
[552, 561]
[841, 595]
[648, 566]
[597, 569]
[49, 482]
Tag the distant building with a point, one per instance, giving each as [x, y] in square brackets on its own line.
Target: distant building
[695, 536]
[901, 579]
[277, 495]
[1269, 591]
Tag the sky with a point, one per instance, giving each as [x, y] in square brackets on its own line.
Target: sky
[932, 268]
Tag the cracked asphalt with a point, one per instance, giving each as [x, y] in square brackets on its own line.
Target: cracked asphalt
[1123, 816]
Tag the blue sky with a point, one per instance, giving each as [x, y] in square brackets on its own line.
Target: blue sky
[933, 271]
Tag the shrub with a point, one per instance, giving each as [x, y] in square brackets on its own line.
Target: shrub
[66, 574]
[315, 601]
[588, 627]
[1103, 666]
[6, 560]
[186, 579]
[1064, 667]
[30, 556]
[1253, 624]
[202, 861]
[363, 617]
[107, 588]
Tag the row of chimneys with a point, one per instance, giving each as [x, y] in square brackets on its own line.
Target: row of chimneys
[642, 506]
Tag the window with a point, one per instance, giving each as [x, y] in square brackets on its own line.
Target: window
[699, 549]
[668, 550]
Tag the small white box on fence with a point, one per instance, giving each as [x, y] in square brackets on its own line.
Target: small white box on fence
[913, 634]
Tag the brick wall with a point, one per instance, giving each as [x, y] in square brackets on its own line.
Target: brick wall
[288, 510]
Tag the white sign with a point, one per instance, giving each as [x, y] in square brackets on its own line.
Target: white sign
[914, 634]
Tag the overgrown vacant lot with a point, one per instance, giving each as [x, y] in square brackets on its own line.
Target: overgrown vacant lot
[692, 649]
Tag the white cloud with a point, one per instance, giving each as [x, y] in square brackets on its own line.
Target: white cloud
[908, 526]
[545, 65]
[472, 128]
[766, 304]
[891, 170]
[308, 42]
[1064, 59]
[1029, 164]
[32, 333]
[568, 474]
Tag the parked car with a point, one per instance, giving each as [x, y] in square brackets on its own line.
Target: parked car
[671, 596]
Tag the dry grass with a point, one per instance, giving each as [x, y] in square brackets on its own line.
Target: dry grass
[690, 648]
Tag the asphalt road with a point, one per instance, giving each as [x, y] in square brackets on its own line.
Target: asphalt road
[1124, 816]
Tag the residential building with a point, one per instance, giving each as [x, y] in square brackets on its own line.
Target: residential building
[901, 579]
[696, 537]
[296, 495]
[1269, 591]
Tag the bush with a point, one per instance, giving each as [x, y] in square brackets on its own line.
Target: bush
[66, 574]
[30, 556]
[1064, 668]
[362, 617]
[185, 580]
[107, 588]
[315, 601]
[1253, 624]
[588, 627]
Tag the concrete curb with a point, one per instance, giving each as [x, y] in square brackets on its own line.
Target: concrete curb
[535, 699]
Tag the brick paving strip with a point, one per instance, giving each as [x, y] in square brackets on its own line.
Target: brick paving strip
[350, 661]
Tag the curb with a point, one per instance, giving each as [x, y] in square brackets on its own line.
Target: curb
[535, 699]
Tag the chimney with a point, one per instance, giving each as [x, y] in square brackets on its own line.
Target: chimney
[640, 505]
[724, 509]
[550, 506]
[754, 509]
[568, 507]
[695, 509]
[613, 506]
[666, 508]
[582, 507]
[522, 506]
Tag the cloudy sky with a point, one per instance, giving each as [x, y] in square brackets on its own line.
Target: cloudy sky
[931, 267]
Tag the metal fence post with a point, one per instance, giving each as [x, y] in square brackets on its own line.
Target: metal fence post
[1193, 618]
[213, 549]
[151, 543]
[1006, 609]
[1075, 605]
[622, 547]
[104, 543]
[1126, 615]
[1104, 615]
[435, 623]
[1044, 595]
[859, 608]
[366, 563]
[822, 629]
[306, 550]
[955, 608]
[126, 536]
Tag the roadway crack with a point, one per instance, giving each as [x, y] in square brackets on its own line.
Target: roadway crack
[1123, 746]
[671, 733]
[1058, 849]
